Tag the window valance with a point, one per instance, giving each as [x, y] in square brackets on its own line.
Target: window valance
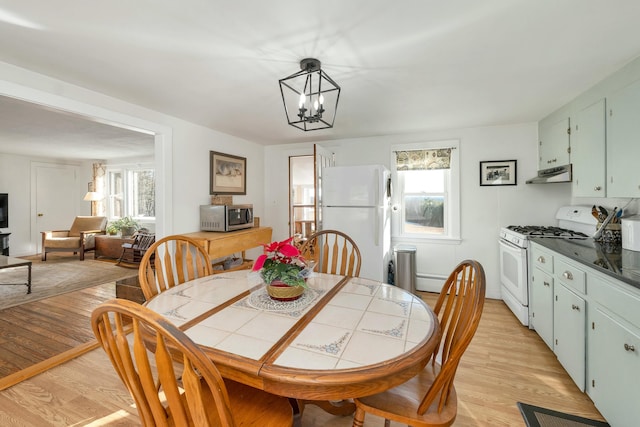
[439, 158]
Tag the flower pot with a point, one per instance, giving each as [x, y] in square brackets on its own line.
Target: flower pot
[280, 291]
[127, 231]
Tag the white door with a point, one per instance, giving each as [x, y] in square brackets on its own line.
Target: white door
[55, 199]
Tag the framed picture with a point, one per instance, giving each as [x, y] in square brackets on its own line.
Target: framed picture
[498, 172]
[228, 174]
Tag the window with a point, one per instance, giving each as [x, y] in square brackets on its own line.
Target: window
[426, 201]
[131, 192]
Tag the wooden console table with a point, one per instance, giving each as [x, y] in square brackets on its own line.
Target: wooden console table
[220, 245]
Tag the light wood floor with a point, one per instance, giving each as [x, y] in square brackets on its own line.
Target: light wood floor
[504, 364]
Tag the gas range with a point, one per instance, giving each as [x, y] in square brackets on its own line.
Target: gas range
[520, 234]
[574, 222]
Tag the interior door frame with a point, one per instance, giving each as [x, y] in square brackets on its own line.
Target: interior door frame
[322, 158]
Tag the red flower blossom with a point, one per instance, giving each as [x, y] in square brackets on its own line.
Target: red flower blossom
[282, 252]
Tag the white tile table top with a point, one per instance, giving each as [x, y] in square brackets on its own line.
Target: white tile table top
[364, 323]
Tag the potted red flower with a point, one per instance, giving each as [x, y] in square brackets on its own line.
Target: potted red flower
[282, 266]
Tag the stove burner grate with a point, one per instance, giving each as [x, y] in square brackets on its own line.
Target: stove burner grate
[544, 231]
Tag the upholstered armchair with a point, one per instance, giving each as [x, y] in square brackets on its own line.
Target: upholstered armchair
[78, 239]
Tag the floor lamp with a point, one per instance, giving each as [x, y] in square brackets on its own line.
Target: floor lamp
[93, 197]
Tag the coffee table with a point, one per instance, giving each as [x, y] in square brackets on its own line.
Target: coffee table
[9, 262]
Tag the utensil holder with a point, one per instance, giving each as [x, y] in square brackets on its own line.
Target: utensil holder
[610, 234]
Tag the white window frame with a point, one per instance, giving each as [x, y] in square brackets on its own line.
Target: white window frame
[126, 170]
[452, 198]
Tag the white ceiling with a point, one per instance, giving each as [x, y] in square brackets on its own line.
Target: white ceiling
[404, 66]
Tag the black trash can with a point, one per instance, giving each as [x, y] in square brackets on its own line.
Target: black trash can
[405, 267]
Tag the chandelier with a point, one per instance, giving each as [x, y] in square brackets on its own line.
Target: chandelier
[310, 97]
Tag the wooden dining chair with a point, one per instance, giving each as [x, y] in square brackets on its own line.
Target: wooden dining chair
[171, 380]
[429, 399]
[171, 261]
[333, 252]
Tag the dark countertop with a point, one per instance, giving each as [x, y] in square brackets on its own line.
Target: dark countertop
[612, 260]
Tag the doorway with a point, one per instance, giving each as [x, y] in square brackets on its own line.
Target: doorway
[302, 197]
[53, 189]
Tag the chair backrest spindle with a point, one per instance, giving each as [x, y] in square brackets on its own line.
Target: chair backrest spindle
[172, 261]
[333, 252]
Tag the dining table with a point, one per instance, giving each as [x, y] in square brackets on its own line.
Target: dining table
[345, 337]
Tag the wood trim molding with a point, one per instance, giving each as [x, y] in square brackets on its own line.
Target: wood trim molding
[38, 368]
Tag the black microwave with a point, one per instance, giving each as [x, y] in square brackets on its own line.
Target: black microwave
[225, 218]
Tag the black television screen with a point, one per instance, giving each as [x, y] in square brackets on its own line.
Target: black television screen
[4, 210]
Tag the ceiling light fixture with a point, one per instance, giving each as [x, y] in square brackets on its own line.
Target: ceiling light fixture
[310, 97]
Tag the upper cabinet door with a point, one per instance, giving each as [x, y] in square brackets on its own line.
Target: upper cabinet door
[554, 143]
[588, 147]
[623, 142]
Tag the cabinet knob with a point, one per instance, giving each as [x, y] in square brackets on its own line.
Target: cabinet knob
[628, 347]
[541, 259]
[40, 214]
[577, 308]
[597, 188]
[567, 275]
[546, 283]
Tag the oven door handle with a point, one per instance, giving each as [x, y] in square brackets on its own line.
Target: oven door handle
[510, 245]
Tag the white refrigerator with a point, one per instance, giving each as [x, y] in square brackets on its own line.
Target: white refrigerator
[356, 200]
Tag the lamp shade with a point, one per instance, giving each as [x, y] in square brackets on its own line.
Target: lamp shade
[92, 196]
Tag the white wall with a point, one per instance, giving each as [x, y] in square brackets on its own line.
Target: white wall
[15, 179]
[181, 153]
[484, 209]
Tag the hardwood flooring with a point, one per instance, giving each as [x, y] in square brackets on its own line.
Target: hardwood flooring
[34, 332]
[504, 364]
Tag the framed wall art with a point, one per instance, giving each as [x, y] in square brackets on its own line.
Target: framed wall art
[498, 172]
[228, 174]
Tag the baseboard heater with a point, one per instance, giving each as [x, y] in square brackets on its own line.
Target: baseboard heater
[431, 276]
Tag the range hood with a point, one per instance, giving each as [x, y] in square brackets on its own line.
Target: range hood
[548, 176]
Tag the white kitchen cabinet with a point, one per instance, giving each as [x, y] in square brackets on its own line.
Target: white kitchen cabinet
[623, 142]
[541, 302]
[614, 368]
[614, 350]
[553, 149]
[541, 305]
[569, 332]
[588, 151]
[596, 332]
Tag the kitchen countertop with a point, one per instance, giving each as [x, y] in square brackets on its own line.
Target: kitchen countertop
[612, 260]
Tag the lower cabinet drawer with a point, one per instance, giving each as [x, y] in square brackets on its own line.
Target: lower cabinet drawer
[620, 299]
[569, 275]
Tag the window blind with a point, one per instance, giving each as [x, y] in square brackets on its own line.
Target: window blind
[439, 158]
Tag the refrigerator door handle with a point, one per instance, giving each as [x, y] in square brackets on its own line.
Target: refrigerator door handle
[377, 186]
[376, 231]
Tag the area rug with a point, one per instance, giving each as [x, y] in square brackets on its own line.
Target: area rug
[534, 416]
[57, 275]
